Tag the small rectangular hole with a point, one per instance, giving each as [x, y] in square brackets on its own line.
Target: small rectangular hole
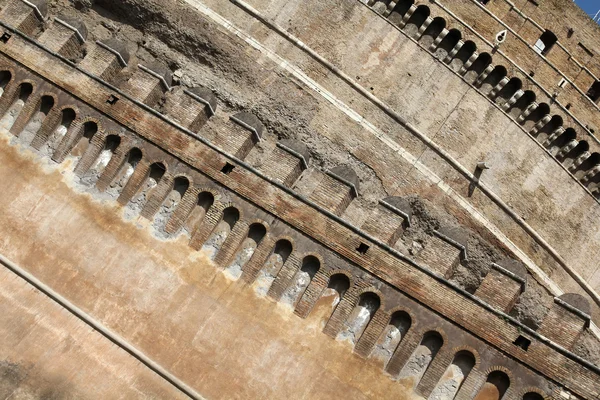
[227, 168]
[522, 342]
[363, 248]
[112, 99]
[562, 83]
[5, 37]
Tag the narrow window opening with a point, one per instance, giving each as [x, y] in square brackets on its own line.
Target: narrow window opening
[588, 51]
[522, 342]
[227, 168]
[5, 37]
[112, 100]
[362, 248]
[545, 43]
[562, 83]
[594, 91]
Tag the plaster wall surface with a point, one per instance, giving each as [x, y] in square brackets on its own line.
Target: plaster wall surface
[48, 353]
[168, 301]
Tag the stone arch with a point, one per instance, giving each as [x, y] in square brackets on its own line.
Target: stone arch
[435, 28]
[526, 100]
[567, 158]
[416, 20]
[493, 79]
[361, 315]
[556, 144]
[509, 90]
[585, 166]
[483, 61]
[399, 323]
[422, 356]
[535, 116]
[447, 44]
[495, 386]
[399, 10]
[542, 131]
[311, 264]
[451, 381]
[256, 233]
[464, 54]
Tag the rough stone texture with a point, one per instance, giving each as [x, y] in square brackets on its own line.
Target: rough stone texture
[246, 81]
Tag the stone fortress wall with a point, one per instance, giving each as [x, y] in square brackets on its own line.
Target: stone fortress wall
[173, 157]
[528, 186]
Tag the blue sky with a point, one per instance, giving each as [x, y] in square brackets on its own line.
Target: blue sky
[589, 6]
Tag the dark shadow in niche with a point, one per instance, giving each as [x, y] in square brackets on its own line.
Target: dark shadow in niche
[476, 175]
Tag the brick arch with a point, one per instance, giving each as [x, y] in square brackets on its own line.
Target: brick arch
[472, 350]
[438, 330]
[11, 71]
[186, 176]
[372, 289]
[261, 222]
[227, 204]
[532, 389]
[413, 317]
[500, 368]
[319, 257]
[91, 118]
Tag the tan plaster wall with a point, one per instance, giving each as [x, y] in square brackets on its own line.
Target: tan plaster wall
[166, 300]
[46, 352]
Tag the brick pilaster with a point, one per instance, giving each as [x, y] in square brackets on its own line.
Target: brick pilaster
[157, 196]
[208, 224]
[140, 174]
[258, 259]
[49, 125]
[403, 352]
[91, 154]
[471, 385]
[232, 244]
[343, 309]
[74, 133]
[11, 91]
[436, 369]
[113, 167]
[183, 210]
[32, 105]
[312, 293]
[370, 335]
[285, 276]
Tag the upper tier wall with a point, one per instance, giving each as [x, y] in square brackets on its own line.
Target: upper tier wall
[248, 206]
[458, 118]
